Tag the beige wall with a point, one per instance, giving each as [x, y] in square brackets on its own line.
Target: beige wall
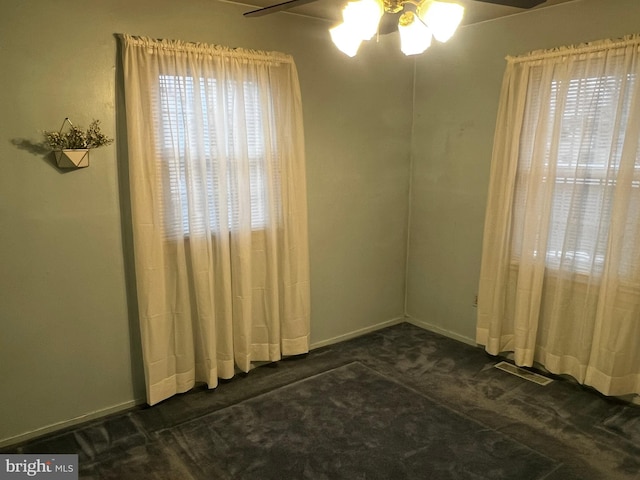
[457, 89]
[68, 332]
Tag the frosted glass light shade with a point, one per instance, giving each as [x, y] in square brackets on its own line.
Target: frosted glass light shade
[363, 17]
[346, 39]
[415, 36]
[443, 19]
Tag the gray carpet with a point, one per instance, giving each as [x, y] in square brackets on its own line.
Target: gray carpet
[399, 403]
[351, 423]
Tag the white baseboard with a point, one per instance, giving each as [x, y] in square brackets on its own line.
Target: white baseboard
[357, 333]
[441, 331]
[126, 405]
[132, 403]
[69, 423]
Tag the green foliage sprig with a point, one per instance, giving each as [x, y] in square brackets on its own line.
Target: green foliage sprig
[76, 138]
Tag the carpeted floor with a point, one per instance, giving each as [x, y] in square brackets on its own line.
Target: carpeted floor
[399, 403]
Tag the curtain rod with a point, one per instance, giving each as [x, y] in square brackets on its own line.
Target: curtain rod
[206, 49]
[591, 47]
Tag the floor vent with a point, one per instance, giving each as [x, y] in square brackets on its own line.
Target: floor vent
[522, 373]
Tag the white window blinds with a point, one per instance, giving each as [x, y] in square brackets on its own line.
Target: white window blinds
[219, 123]
[575, 127]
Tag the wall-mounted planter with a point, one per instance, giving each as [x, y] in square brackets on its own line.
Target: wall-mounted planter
[76, 158]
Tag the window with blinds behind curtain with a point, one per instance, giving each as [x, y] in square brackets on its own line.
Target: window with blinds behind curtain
[591, 133]
[179, 101]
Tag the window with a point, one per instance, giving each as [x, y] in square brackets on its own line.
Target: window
[194, 194]
[583, 125]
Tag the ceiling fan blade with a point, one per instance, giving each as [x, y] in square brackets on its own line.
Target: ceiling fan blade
[276, 8]
[515, 3]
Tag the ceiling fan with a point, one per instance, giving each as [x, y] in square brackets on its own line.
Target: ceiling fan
[277, 7]
[417, 21]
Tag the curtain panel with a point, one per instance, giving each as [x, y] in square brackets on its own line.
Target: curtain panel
[560, 275]
[218, 198]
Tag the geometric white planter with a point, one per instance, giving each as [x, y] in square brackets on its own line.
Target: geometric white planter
[72, 158]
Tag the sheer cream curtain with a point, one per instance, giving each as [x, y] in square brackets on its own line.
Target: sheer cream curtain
[560, 276]
[218, 194]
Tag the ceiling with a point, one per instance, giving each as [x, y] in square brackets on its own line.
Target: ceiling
[330, 10]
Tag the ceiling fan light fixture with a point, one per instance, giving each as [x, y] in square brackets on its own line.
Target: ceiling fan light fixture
[420, 22]
[345, 39]
[415, 36]
[442, 18]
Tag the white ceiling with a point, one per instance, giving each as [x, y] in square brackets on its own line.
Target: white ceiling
[330, 10]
